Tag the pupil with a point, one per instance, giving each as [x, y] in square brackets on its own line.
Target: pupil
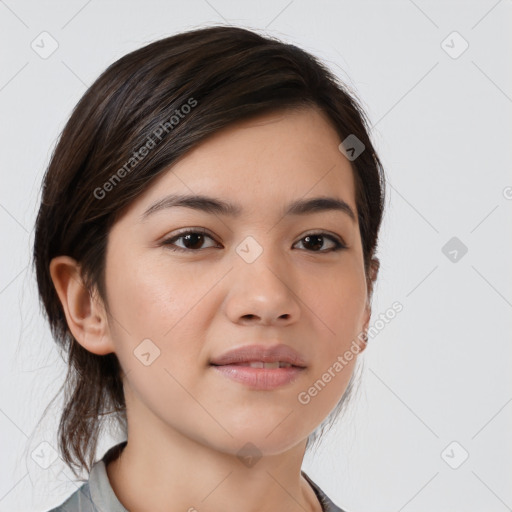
[195, 237]
[313, 237]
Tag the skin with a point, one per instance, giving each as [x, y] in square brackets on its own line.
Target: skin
[186, 422]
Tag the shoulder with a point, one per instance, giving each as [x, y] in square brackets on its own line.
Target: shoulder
[96, 494]
[79, 501]
[327, 504]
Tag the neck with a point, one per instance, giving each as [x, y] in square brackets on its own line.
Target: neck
[172, 472]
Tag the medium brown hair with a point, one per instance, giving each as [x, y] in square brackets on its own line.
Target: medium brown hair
[225, 74]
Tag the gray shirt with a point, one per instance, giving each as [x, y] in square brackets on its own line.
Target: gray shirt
[97, 495]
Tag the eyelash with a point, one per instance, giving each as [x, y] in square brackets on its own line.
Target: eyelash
[169, 241]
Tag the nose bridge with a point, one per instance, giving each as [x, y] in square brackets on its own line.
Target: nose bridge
[259, 254]
[261, 281]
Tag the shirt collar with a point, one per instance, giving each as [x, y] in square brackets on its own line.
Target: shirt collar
[104, 497]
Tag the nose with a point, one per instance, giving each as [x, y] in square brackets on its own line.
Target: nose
[263, 292]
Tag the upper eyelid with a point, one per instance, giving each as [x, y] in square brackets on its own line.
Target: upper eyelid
[186, 231]
[335, 238]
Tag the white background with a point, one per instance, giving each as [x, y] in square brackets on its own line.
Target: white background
[441, 370]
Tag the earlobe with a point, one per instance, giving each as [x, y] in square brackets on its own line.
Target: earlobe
[374, 269]
[372, 277]
[363, 335]
[85, 316]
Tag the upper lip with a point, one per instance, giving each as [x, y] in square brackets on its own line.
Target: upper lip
[264, 353]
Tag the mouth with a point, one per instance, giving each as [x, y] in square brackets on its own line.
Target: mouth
[260, 367]
[261, 364]
[259, 375]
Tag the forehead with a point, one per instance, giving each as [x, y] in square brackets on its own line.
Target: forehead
[261, 163]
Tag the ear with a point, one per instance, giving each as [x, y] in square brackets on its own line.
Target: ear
[372, 277]
[85, 314]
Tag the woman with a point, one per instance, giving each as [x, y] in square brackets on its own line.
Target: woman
[205, 253]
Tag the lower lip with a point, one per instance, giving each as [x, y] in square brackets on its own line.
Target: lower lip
[260, 378]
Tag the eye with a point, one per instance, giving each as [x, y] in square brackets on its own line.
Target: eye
[317, 240]
[191, 239]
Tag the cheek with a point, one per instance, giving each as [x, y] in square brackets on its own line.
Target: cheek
[154, 311]
[340, 304]
[148, 298]
[337, 313]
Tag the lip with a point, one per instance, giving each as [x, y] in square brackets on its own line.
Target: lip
[228, 364]
[263, 379]
[265, 353]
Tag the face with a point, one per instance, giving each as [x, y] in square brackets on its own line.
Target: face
[185, 285]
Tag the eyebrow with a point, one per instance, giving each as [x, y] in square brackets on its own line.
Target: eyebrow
[220, 207]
